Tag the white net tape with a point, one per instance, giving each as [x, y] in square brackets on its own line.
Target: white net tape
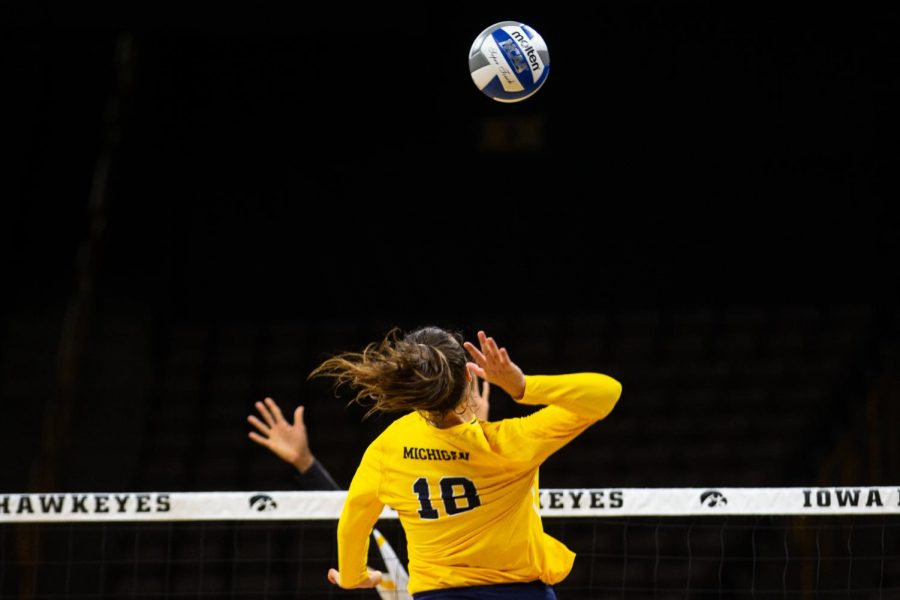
[578, 502]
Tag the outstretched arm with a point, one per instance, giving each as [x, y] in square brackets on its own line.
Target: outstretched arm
[591, 395]
[290, 443]
[573, 401]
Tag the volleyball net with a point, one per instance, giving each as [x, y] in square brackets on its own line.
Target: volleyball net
[631, 543]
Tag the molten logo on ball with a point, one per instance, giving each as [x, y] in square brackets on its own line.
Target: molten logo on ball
[509, 61]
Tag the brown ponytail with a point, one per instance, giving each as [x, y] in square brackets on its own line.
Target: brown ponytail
[424, 370]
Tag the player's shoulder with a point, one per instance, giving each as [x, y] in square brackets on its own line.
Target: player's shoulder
[401, 425]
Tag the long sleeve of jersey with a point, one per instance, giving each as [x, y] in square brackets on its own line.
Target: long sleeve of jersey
[592, 395]
[361, 510]
[573, 402]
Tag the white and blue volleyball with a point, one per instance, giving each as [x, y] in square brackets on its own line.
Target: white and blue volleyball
[509, 61]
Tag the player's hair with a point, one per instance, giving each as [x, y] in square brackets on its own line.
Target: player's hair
[423, 370]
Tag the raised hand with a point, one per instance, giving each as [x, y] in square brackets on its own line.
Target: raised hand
[492, 364]
[288, 442]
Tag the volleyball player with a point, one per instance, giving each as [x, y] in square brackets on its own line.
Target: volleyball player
[466, 491]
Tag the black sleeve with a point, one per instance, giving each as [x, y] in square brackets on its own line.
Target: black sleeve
[316, 478]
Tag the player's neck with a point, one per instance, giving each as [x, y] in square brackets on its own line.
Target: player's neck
[453, 418]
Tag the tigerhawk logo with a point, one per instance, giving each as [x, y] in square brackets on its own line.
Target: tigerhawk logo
[713, 498]
[262, 503]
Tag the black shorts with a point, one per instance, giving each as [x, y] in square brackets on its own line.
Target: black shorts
[535, 590]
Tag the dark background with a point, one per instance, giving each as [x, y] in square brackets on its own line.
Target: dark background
[333, 176]
[201, 203]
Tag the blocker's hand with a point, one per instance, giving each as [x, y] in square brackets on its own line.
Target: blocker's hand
[287, 441]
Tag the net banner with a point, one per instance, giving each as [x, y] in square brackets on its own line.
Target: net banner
[577, 502]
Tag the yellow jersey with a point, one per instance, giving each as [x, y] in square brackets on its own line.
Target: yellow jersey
[467, 495]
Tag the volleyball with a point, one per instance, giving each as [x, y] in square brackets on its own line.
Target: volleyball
[509, 61]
